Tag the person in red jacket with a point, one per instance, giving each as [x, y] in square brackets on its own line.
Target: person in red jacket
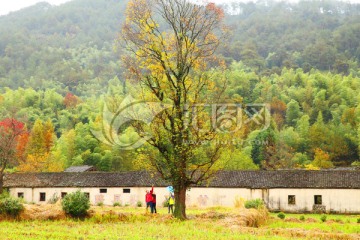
[148, 200]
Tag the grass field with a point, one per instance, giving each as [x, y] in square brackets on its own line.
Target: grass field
[210, 223]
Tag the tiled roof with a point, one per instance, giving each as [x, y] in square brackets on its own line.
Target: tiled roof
[84, 168]
[288, 179]
[223, 179]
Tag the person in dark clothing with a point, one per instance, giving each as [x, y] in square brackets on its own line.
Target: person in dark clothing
[153, 200]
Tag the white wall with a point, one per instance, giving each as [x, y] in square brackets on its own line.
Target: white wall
[342, 200]
[113, 194]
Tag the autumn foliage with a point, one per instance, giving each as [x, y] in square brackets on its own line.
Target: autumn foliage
[10, 130]
[36, 153]
[70, 100]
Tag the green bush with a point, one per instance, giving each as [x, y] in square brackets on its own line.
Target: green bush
[256, 203]
[139, 204]
[302, 218]
[76, 204]
[5, 194]
[11, 206]
[358, 220]
[281, 215]
[100, 204]
[117, 204]
[323, 218]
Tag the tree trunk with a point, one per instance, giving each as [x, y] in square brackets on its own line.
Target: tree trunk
[1, 182]
[180, 206]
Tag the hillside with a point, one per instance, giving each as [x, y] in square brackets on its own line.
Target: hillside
[74, 43]
[60, 65]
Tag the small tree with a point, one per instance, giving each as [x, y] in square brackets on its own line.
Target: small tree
[76, 204]
[322, 159]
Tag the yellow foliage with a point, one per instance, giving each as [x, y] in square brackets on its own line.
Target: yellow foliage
[311, 167]
[322, 159]
[40, 163]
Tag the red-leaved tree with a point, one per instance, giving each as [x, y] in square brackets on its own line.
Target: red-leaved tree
[10, 130]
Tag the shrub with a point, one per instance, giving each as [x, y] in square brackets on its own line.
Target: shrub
[323, 218]
[256, 203]
[358, 220]
[5, 194]
[11, 206]
[281, 215]
[117, 204]
[100, 204]
[302, 218]
[139, 204]
[76, 204]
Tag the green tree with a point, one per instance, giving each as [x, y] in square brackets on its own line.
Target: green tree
[318, 134]
[302, 128]
[293, 112]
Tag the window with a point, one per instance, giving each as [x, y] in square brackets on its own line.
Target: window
[291, 199]
[42, 197]
[87, 195]
[20, 195]
[63, 194]
[126, 190]
[103, 190]
[318, 199]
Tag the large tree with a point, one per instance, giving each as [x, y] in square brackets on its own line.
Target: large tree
[172, 44]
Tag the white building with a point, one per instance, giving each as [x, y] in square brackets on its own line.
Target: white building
[284, 190]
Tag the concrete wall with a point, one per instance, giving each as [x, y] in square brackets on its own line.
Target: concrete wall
[336, 200]
[111, 196]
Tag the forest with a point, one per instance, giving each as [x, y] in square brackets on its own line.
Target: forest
[60, 65]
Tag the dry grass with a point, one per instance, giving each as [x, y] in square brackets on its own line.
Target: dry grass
[253, 217]
[293, 220]
[242, 217]
[42, 212]
[247, 223]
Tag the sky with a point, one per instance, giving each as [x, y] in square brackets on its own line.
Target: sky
[7, 6]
